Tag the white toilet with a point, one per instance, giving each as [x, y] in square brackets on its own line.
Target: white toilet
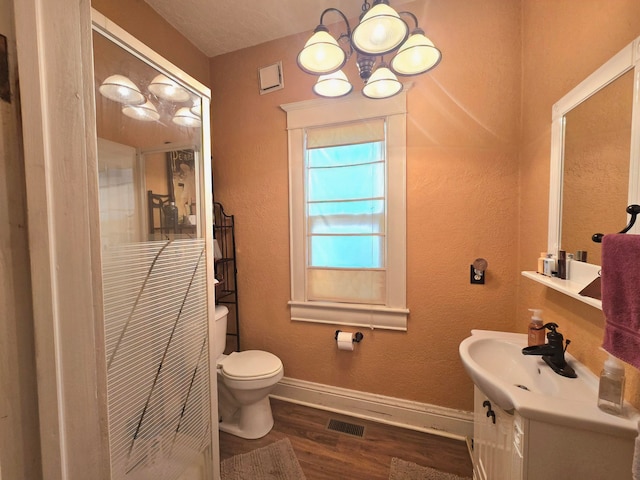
[245, 380]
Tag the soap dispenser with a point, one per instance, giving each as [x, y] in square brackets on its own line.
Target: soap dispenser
[611, 388]
[536, 330]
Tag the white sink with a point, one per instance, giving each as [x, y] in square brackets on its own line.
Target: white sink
[525, 383]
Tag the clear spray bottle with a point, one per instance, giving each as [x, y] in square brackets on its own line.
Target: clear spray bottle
[611, 388]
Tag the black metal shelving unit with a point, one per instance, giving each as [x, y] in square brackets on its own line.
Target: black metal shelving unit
[163, 218]
[226, 271]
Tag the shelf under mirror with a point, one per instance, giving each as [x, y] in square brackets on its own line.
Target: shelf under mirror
[581, 274]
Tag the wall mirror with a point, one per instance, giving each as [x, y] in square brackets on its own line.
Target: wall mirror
[595, 148]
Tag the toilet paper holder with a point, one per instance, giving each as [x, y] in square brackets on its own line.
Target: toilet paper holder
[357, 337]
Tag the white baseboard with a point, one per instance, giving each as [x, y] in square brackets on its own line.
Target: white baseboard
[423, 417]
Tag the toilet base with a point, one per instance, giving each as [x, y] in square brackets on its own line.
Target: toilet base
[250, 421]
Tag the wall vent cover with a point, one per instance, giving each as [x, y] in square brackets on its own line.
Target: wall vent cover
[344, 427]
[271, 78]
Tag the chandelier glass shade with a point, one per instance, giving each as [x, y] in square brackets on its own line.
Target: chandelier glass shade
[417, 55]
[382, 84]
[120, 89]
[380, 31]
[196, 108]
[335, 84]
[185, 118]
[146, 112]
[321, 54]
[163, 87]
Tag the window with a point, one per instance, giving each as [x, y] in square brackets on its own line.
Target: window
[347, 211]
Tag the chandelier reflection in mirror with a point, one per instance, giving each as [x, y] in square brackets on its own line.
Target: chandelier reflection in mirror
[136, 105]
[381, 31]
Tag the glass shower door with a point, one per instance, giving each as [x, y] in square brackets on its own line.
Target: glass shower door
[156, 265]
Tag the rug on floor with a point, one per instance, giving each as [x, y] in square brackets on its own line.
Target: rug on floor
[274, 462]
[402, 470]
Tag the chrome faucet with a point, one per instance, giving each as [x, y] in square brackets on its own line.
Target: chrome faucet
[553, 351]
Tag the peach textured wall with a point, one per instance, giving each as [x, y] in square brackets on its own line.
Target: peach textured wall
[486, 106]
[563, 42]
[462, 203]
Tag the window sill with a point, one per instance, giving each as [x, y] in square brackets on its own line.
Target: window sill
[369, 316]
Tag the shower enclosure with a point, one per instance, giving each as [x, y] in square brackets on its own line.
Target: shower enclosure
[155, 208]
[120, 317]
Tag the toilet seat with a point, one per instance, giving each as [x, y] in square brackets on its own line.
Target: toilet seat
[250, 365]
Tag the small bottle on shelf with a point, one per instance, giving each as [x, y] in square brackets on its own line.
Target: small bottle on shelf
[562, 264]
[569, 262]
[549, 265]
[543, 255]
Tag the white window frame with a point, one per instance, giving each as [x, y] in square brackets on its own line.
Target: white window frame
[321, 112]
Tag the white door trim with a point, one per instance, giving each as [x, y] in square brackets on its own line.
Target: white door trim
[56, 81]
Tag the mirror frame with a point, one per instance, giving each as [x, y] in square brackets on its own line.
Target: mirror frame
[625, 60]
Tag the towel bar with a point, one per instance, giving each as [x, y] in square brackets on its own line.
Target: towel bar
[632, 210]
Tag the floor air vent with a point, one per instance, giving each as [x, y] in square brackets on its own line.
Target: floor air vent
[344, 427]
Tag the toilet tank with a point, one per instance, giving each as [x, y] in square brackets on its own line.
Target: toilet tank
[221, 329]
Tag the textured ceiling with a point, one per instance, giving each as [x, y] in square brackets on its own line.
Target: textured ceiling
[221, 26]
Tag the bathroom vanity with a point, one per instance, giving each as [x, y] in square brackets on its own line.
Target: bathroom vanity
[531, 424]
[516, 447]
[547, 426]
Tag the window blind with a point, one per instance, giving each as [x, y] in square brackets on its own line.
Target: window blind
[364, 131]
[345, 180]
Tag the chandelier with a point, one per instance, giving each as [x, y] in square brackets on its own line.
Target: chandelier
[379, 32]
[163, 90]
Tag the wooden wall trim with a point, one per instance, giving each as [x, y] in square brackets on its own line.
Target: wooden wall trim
[418, 416]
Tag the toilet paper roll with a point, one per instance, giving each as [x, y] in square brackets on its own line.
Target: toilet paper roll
[345, 341]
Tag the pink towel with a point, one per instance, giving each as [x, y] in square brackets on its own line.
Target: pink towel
[621, 296]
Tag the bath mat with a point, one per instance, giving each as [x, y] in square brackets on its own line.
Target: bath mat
[401, 470]
[274, 462]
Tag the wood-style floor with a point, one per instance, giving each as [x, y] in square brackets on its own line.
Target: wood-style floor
[326, 454]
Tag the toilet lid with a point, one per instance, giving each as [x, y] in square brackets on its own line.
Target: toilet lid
[251, 364]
